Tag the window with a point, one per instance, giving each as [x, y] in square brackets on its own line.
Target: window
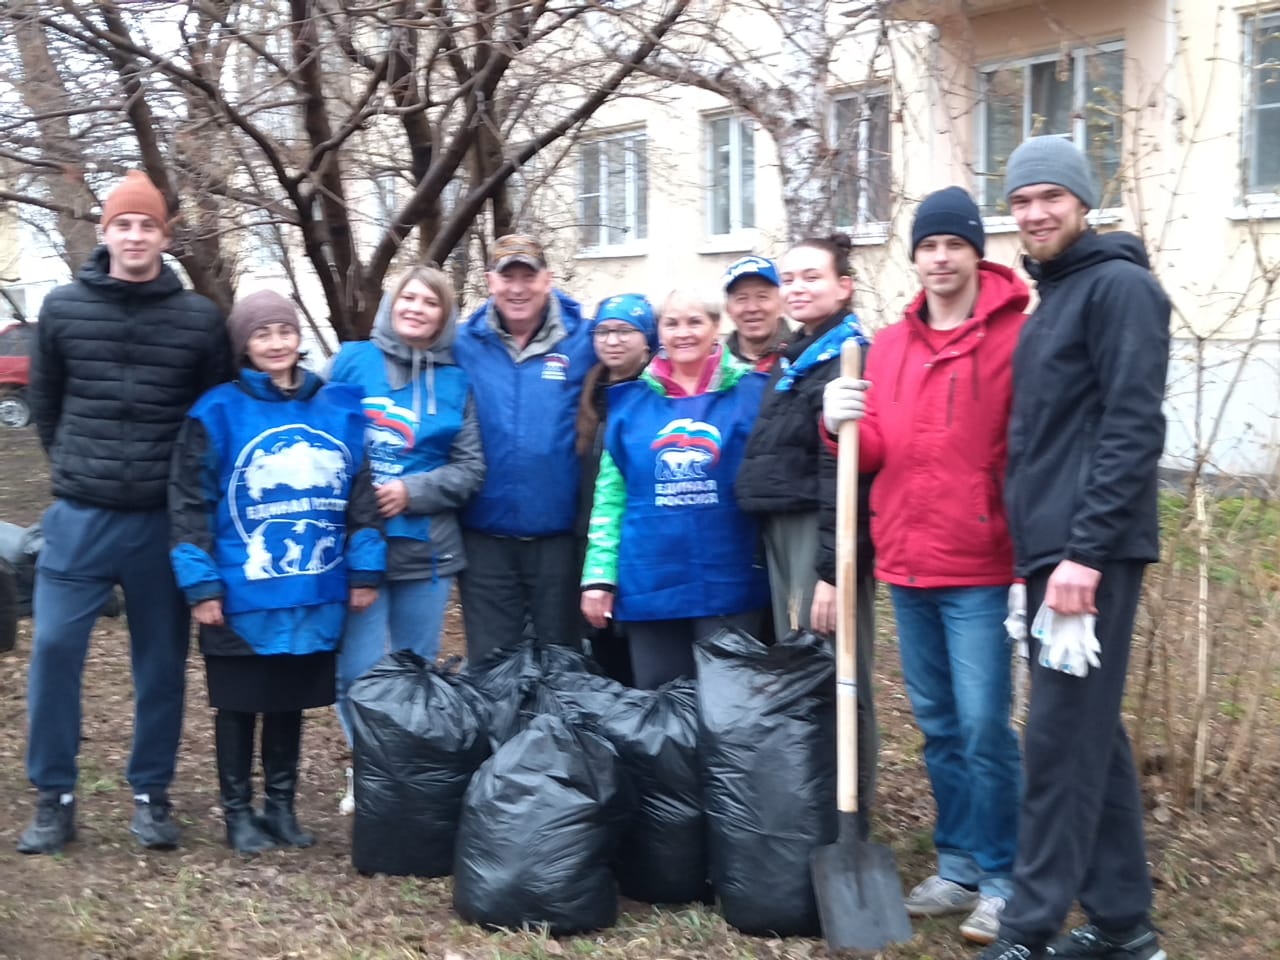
[613, 191]
[731, 175]
[384, 198]
[1262, 112]
[1078, 95]
[15, 340]
[863, 171]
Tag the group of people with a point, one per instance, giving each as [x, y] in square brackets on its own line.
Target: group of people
[632, 480]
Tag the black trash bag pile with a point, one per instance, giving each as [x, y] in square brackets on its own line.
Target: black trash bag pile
[19, 551]
[767, 738]
[513, 680]
[541, 823]
[419, 734]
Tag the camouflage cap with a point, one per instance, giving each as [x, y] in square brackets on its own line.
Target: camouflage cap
[517, 248]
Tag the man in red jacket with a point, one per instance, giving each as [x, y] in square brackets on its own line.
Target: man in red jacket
[933, 414]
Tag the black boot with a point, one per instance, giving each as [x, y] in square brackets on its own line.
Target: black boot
[281, 741]
[233, 737]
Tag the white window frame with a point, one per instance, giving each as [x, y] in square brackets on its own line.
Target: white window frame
[1254, 196]
[738, 125]
[635, 195]
[865, 228]
[1079, 122]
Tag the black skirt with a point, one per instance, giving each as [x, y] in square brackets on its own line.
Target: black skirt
[271, 684]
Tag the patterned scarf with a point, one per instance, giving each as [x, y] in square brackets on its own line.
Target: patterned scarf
[820, 351]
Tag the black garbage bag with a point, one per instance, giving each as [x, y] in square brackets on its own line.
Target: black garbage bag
[419, 734]
[513, 682]
[8, 608]
[19, 551]
[540, 828]
[767, 737]
[663, 858]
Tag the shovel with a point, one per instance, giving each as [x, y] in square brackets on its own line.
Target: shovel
[856, 882]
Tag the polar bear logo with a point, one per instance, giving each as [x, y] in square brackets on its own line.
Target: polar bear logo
[689, 463]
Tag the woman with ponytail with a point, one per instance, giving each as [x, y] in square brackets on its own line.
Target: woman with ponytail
[787, 479]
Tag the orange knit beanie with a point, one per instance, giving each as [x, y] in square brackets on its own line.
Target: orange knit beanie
[137, 194]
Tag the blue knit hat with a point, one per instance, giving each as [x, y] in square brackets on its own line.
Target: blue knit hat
[632, 308]
[1053, 160]
[949, 211]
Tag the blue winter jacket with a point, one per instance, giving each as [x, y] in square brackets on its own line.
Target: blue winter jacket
[272, 510]
[528, 413]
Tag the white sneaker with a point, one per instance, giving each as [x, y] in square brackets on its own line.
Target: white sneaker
[983, 924]
[348, 805]
[935, 896]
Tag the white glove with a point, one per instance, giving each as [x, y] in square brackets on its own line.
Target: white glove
[1067, 644]
[1015, 624]
[845, 398]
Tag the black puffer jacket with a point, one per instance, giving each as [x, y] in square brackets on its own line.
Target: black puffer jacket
[1087, 427]
[114, 369]
[788, 469]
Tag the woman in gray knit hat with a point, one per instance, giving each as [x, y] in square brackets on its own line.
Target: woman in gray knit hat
[276, 533]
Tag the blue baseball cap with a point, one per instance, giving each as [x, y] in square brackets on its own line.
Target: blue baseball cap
[632, 308]
[751, 266]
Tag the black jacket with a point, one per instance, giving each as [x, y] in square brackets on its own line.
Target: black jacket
[1086, 429]
[114, 368]
[788, 469]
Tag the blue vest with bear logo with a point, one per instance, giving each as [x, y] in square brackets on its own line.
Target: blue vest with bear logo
[686, 550]
[285, 474]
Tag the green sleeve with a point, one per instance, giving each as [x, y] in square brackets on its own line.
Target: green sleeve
[605, 530]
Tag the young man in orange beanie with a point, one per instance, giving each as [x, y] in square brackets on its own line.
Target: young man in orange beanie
[120, 354]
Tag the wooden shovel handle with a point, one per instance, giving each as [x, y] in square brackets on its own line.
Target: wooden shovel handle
[847, 597]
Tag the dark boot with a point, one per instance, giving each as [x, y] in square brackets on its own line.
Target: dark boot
[54, 824]
[233, 737]
[281, 741]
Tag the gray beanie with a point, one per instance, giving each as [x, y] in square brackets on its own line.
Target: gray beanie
[1053, 160]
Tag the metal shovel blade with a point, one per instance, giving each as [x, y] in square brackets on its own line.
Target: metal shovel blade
[859, 894]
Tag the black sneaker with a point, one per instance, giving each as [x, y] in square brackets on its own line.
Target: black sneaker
[1091, 941]
[1004, 949]
[152, 823]
[54, 824]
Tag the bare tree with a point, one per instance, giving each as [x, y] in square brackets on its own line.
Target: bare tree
[292, 114]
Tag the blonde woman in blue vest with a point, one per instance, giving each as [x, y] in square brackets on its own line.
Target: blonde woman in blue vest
[669, 553]
[423, 442]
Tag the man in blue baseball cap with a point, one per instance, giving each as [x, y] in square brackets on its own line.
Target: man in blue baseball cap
[752, 300]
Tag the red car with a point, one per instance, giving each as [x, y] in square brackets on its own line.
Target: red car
[15, 373]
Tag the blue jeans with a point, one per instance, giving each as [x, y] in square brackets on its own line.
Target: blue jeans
[408, 615]
[87, 550]
[956, 665]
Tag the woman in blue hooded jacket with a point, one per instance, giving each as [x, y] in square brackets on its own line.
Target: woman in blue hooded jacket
[423, 441]
[275, 532]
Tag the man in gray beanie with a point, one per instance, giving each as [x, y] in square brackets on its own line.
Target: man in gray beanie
[1085, 436]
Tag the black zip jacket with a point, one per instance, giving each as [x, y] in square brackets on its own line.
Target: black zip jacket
[788, 469]
[1086, 429]
[114, 368]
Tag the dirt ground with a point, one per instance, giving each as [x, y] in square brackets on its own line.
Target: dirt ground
[104, 898]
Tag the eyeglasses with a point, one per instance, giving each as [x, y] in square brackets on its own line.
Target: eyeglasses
[622, 334]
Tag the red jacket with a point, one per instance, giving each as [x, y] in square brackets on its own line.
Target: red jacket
[935, 430]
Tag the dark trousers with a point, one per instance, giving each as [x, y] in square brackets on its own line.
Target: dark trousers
[86, 552]
[509, 581]
[662, 650]
[1080, 830]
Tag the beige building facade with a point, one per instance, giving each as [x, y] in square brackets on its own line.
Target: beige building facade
[1177, 105]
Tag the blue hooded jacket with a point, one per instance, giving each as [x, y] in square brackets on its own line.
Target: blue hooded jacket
[528, 412]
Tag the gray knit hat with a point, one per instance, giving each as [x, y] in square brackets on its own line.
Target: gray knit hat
[1053, 160]
[255, 311]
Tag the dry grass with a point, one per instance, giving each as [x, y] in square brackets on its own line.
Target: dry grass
[105, 899]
